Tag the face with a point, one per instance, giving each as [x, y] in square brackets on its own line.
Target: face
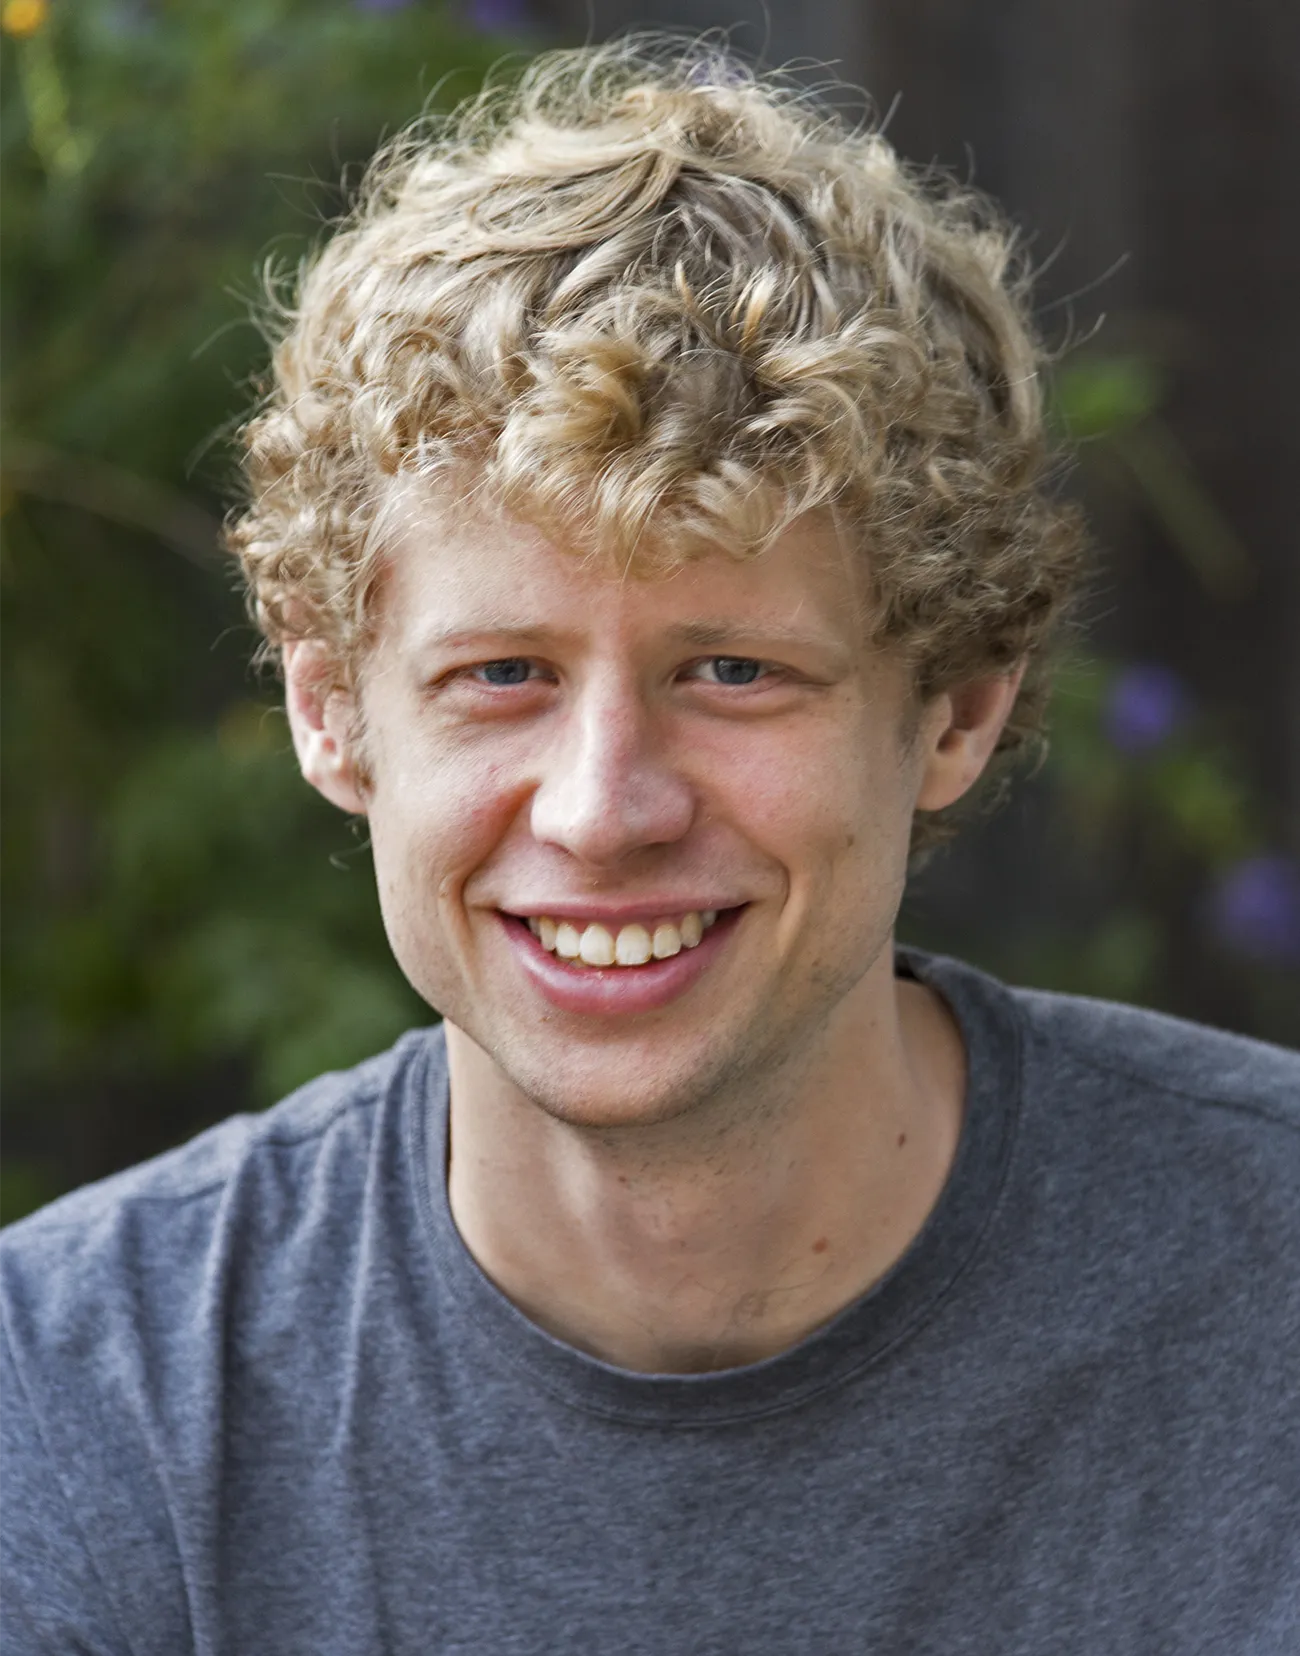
[710, 768]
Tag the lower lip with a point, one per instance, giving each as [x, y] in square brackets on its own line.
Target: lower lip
[617, 990]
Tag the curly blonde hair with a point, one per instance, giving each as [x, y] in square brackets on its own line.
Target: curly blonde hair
[662, 304]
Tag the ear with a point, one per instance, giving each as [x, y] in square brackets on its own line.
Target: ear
[959, 731]
[321, 720]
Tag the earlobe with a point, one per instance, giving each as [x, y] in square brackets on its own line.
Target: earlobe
[960, 734]
[320, 719]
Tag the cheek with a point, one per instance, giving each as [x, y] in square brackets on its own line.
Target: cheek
[822, 808]
[431, 827]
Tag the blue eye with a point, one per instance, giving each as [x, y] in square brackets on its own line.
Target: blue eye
[510, 670]
[735, 669]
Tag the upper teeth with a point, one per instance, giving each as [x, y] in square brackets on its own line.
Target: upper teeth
[634, 945]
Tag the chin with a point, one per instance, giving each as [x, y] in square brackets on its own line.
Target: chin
[599, 1106]
[702, 1071]
[604, 1091]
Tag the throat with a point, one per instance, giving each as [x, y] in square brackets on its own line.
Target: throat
[670, 1275]
[667, 1251]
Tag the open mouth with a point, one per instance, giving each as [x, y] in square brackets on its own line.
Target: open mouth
[594, 945]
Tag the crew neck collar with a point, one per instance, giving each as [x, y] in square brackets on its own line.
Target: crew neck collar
[860, 1335]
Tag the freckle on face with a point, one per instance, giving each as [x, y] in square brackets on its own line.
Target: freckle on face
[820, 1245]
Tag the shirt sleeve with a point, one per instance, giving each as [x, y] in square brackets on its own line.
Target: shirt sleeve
[52, 1600]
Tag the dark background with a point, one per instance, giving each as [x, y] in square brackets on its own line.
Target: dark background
[188, 931]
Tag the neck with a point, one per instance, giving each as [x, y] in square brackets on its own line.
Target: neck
[724, 1237]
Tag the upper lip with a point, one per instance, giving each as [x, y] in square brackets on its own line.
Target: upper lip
[618, 914]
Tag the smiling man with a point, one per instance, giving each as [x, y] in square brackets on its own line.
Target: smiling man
[650, 514]
[655, 907]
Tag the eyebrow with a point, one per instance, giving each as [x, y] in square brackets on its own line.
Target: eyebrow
[712, 635]
[512, 631]
[700, 635]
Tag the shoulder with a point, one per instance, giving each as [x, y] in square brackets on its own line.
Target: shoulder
[134, 1311]
[210, 1159]
[1145, 1208]
[341, 1101]
[137, 1243]
[1115, 1050]
[1157, 1124]
[1118, 1051]
[1177, 1143]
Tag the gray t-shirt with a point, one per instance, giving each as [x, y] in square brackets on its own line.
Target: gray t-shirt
[259, 1398]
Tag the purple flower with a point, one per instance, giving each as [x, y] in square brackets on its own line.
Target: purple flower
[1147, 704]
[497, 16]
[1255, 909]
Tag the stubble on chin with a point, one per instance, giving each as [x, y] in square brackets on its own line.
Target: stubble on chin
[686, 1093]
[690, 1110]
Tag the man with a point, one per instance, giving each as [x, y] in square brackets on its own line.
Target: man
[650, 515]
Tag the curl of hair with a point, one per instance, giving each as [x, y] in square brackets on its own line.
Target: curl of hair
[661, 304]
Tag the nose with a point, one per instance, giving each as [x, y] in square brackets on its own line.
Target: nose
[607, 789]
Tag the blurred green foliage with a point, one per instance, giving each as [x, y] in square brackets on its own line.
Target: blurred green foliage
[189, 929]
[1150, 819]
[1157, 877]
[1109, 406]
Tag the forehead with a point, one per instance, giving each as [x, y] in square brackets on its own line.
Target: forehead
[451, 566]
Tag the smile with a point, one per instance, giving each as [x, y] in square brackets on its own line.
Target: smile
[611, 966]
[597, 945]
